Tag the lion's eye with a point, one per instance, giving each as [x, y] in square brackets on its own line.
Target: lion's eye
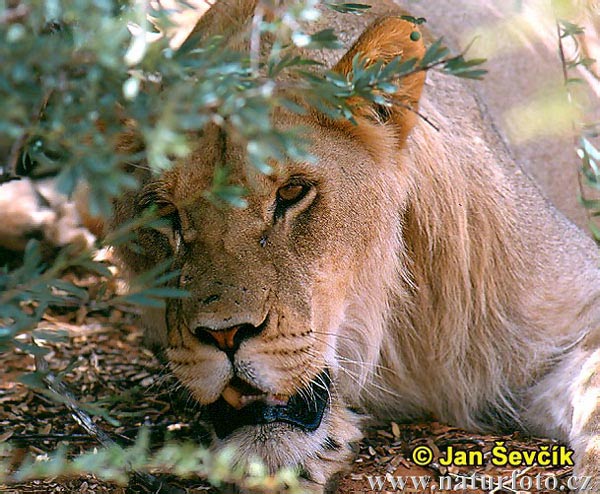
[294, 195]
[169, 217]
[166, 221]
[291, 193]
[169, 224]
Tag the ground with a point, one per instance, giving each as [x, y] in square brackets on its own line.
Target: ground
[106, 363]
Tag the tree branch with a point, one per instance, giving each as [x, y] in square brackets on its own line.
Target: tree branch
[146, 480]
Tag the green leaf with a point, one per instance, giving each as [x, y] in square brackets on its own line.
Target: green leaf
[348, 8]
[141, 299]
[275, 67]
[148, 277]
[31, 349]
[70, 288]
[590, 149]
[570, 29]
[166, 292]
[435, 53]
[323, 39]
[51, 335]
[34, 380]
[460, 67]
[595, 230]
[415, 20]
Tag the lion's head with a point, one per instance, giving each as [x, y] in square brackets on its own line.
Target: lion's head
[275, 285]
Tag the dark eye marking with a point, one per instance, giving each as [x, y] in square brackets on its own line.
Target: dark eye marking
[155, 199]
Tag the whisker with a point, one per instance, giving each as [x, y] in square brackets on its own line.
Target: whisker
[379, 387]
[342, 336]
[356, 362]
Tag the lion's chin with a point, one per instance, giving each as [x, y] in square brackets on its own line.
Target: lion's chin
[241, 405]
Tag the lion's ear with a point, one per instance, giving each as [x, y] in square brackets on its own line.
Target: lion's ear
[383, 40]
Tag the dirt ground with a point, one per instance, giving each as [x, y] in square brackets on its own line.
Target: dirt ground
[107, 364]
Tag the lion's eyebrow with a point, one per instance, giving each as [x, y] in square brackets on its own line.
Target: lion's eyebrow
[155, 192]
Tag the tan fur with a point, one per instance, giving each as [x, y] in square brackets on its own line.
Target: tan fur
[425, 271]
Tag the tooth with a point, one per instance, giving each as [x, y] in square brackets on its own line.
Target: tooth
[233, 397]
[247, 399]
[278, 399]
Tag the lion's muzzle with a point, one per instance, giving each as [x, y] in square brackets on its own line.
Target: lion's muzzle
[243, 405]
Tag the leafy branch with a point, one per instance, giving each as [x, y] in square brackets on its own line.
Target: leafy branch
[589, 154]
[377, 82]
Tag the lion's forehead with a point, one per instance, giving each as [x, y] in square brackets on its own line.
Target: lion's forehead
[343, 171]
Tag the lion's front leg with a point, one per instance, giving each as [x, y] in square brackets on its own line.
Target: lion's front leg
[585, 432]
[566, 405]
[336, 453]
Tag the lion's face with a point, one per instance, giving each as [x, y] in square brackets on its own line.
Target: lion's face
[271, 283]
[280, 290]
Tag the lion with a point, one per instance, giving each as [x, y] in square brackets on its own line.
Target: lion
[412, 271]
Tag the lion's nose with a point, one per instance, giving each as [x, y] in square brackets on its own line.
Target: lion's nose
[228, 339]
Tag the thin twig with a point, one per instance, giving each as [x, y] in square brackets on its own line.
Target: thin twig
[561, 53]
[418, 113]
[563, 63]
[146, 480]
[36, 438]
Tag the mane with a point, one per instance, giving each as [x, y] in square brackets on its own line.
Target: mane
[457, 305]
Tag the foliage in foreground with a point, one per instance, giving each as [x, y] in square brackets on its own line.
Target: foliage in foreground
[115, 464]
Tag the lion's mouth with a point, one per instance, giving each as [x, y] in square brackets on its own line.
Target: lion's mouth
[242, 404]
